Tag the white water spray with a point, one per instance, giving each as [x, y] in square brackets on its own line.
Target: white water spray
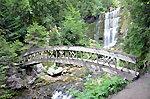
[60, 95]
[111, 28]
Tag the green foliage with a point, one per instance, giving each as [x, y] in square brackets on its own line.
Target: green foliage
[137, 41]
[99, 88]
[94, 43]
[72, 30]
[39, 80]
[94, 8]
[10, 50]
[3, 86]
[56, 67]
[54, 36]
[36, 36]
[148, 58]
[86, 71]
[12, 22]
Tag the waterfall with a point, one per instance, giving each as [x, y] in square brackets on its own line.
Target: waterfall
[111, 28]
[96, 29]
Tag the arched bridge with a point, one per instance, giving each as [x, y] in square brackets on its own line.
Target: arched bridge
[115, 62]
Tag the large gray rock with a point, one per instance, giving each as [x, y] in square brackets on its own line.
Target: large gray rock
[52, 71]
[14, 82]
[20, 78]
[40, 68]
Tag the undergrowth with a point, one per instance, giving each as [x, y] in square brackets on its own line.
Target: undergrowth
[99, 88]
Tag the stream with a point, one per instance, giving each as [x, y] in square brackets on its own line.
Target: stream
[56, 89]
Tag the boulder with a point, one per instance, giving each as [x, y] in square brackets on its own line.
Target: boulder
[14, 82]
[40, 68]
[52, 71]
[53, 66]
[20, 78]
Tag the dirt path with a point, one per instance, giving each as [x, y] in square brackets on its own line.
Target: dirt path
[139, 89]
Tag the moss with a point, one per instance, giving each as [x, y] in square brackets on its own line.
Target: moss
[90, 72]
[81, 75]
[90, 30]
[44, 84]
[69, 71]
[101, 31]
[39, 80]
[48, 64]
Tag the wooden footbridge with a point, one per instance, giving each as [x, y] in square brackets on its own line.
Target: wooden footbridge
[115, 62]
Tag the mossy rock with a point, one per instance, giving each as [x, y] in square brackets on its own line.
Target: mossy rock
[44, 84]
[39, 80]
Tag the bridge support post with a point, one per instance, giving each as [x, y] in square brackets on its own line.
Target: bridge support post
[115, 63]
[47, 57]
[136, 69]
[56, 54]
[76, 54]
[24, 61]
[81, 55]
[97, 58]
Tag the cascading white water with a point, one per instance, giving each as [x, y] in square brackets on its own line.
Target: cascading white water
[60, 95]
[97, 28]
[111, 28]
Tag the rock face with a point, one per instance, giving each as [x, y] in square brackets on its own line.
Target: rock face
[14, 82]
[52, 71]
[21, 78]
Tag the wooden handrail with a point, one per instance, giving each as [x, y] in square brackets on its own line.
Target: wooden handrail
[101, 51]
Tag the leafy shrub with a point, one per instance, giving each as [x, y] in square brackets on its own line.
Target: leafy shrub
[36, 36]
[99, 88]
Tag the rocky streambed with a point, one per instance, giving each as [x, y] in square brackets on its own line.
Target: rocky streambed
[55, 81]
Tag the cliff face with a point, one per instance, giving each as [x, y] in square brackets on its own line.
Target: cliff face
[20, 78]
[91, 28]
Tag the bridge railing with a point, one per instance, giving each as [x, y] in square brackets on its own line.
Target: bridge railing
[114, 59]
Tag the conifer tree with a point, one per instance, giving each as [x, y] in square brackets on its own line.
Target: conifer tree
[36, 36]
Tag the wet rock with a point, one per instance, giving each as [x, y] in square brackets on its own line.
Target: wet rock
[14, 82]
[40, 68]
[52, 71]
[31, 79]
[19, 78]
[50, 78]
[53, 66]
[10, 72]
[64, 71]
